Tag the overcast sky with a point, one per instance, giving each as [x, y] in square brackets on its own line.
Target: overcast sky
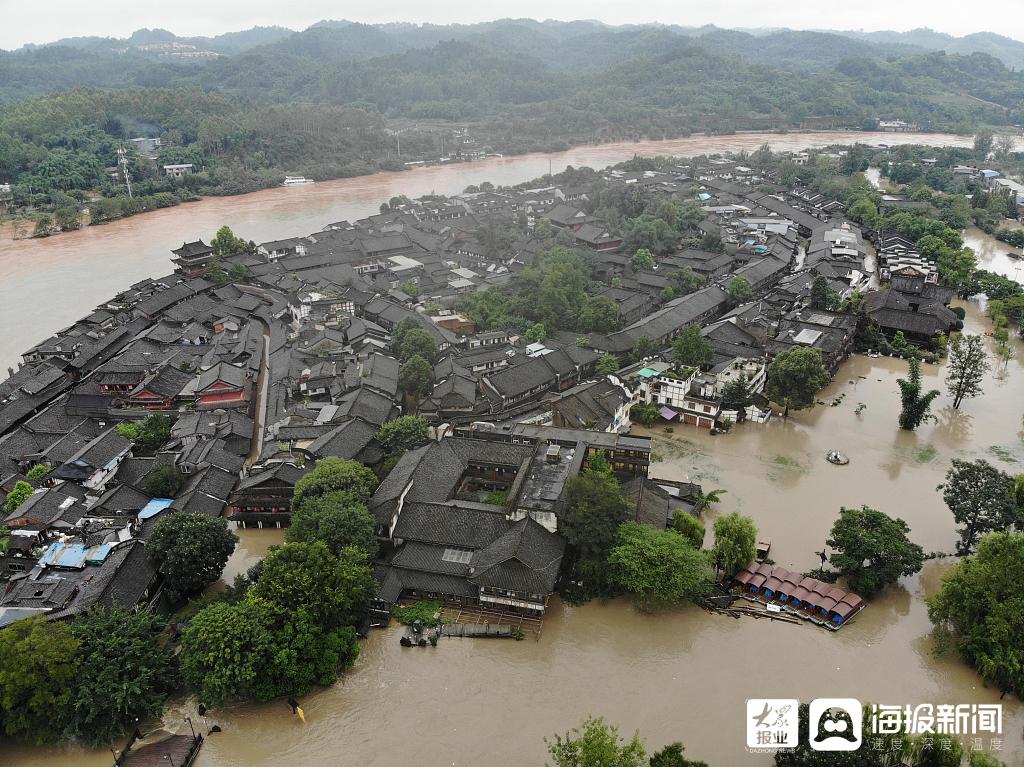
[39, 21]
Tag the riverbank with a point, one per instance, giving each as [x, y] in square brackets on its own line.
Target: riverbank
[778, 140]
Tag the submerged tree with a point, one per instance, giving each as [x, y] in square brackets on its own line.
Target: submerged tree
[915, 404]
[982, 498]
[735, 542]
[979, 608]
[39, 662]
[657, 568]
[596, 744]
[126, 673]
[968, 364]
[872, 549]
[190, 550]
[795, 377]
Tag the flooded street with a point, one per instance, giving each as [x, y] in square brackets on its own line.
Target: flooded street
[47, 284]
[683, 674]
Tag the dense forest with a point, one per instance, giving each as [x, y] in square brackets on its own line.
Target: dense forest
[245, 109]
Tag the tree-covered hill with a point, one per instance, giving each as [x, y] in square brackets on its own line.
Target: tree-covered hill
[318, 102]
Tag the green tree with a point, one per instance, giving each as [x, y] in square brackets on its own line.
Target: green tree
[595, 744]
[644, 413]
[686, 281]
[607, 364]
[795, 377]
[915, 405]
[163, 482]
[690, 348]
[253, 649]
[336, 521]
[336, 475]
[967, 366]
[872, 549]
[67, 219]
[644, 347]
[410, 288]
[215, 272]
[864, 211]
[594, 509]
[712, 243]
[643, 259]
[226, 244]
[673, 755]
[956, 266]
[735, 543]
[416, 342]
[126, 673]
[238, 272]
[689, 215]
[44, 224]
[403, 433]
[599, 315]
[650, 233]
[536, 333]
[416, 377]
[737, 395]
[38, 472]
[982, 499]
[657, 568]
[150, 433]
[822, 296]
[18, 495]
[333, 591]
[983, 143]
[689, 526]
[980, 609]
[189, 550]
[39, 662]
[739, 290]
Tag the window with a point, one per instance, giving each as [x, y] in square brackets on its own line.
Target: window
[457, 556]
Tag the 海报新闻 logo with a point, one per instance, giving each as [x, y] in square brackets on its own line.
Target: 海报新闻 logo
[835, 724]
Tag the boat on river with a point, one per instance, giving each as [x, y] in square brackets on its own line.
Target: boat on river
[297, 181]
[839, 459]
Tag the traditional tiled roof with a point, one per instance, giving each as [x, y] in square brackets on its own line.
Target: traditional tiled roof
[526, 558]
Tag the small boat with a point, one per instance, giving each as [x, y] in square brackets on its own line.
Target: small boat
[839, 459]
[1013, 255]
[297, 180]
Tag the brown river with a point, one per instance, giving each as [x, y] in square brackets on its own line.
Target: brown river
[681, 675]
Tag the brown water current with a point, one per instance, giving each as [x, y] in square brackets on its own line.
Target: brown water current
[47, 284]
[682, 674]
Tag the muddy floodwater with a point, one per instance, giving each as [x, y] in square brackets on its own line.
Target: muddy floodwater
[682, 674]
[47, 284]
